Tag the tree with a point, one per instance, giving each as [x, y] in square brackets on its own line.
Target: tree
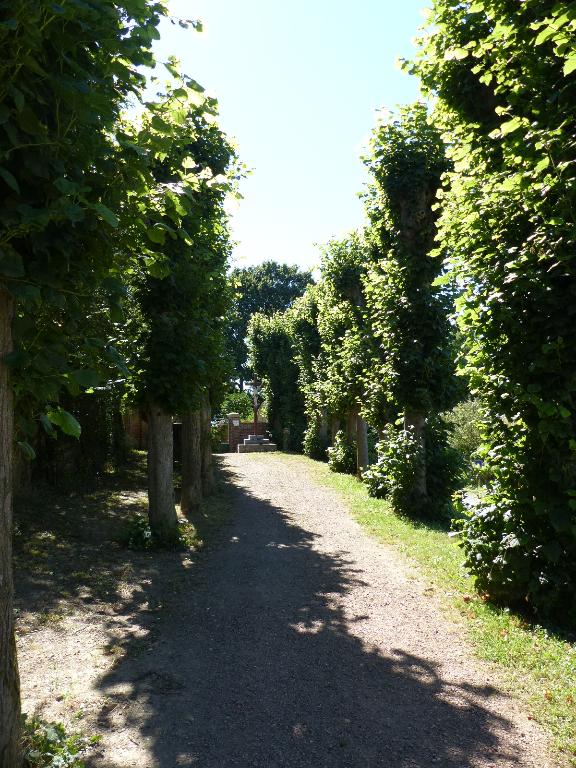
[505, 78]
[342, 325]
[413, 371]
[266, 288]
[65, 72]
[175, 339]
[272, 360]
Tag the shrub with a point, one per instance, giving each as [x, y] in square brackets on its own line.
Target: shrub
[397, 466]
[313, 444]
[464, 435]
[139, 536]
[237, 402]
[47, 745]
[342, 455]
[399, 463]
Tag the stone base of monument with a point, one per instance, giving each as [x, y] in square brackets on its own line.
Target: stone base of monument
[256, 444]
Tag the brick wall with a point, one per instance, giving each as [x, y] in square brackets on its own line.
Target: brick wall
[239, 430]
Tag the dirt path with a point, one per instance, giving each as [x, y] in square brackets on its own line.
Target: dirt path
[297, 642]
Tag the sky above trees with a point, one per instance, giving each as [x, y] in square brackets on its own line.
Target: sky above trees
[298, 85]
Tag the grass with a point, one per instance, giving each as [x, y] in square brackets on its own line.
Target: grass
[536, 663]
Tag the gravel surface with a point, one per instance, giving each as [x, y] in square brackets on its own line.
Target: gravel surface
[300, 641]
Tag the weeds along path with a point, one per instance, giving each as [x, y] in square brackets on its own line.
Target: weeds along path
[296, 642]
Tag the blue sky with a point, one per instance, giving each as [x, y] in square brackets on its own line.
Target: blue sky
[298, 86]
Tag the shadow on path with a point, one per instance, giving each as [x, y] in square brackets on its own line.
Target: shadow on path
[254, 664]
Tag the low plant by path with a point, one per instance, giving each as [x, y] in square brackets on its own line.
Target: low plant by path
[536, 663]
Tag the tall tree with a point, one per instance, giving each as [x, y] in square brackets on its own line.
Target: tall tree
[272, 360]
[413, 372]
[505, 77]
[65, 72]
[266, 288]
[174, 339]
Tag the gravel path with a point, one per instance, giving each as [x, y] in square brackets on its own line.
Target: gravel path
[302, 642]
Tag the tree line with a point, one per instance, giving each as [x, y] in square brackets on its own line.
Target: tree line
[460, 286]
[114, 249]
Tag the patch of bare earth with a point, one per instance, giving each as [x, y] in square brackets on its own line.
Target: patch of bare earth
[296, 641]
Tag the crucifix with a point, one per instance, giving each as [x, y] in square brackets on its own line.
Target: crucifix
[257, 400]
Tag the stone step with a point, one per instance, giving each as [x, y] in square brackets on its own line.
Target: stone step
[257, 447]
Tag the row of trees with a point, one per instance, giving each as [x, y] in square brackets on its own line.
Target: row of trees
[113, 255]
[471, 217]
[371, 341]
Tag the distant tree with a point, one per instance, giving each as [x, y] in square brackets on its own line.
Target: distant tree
[267, 288]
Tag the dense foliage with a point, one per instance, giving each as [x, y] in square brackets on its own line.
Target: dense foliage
[100, 214]
[505, 79]
[266, 288]
[272, 360]
[411, 372]
[342, 455]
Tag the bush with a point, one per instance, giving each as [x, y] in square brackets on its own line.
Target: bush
[342, 455]
[47, 745]
[515, 555]
[394, 473]
[399, 463]
[218, 434]
[313, 445]
[237, 402]
[464, 422]
[139, 536]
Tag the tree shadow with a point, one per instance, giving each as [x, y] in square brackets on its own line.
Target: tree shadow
[253, 663]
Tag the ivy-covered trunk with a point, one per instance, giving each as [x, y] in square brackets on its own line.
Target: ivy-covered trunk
[9, 679]
[361, 444]
[161, 512]
[191, 462]
[207, 467]
[415, 423]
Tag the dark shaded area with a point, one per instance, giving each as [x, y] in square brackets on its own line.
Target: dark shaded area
[258, 667]
[69, 549]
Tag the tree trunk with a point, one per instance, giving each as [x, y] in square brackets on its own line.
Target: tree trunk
[10, 756]
[323, 431]
[161, 509]
[415, 422]
[207, 468]
[361, 445]
[351, 424]
[334, 428]
[191, 463]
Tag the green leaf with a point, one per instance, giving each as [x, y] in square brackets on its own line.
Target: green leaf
[86, 378]
[67, 423]
[10, 180]
[47, 425]
[106, 214]
[157, 235]
[11, 264]
[27, 450]
[569, 65]
[65, 186]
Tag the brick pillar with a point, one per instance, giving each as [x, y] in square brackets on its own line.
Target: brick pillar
[233, 431]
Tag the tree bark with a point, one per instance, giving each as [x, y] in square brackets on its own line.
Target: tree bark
[351, 424]
[161, 509]
[207, 468]
[334, 428]
[323, 431]
[415, 421]
[361, 445]
[191, 463]
[10, 756]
